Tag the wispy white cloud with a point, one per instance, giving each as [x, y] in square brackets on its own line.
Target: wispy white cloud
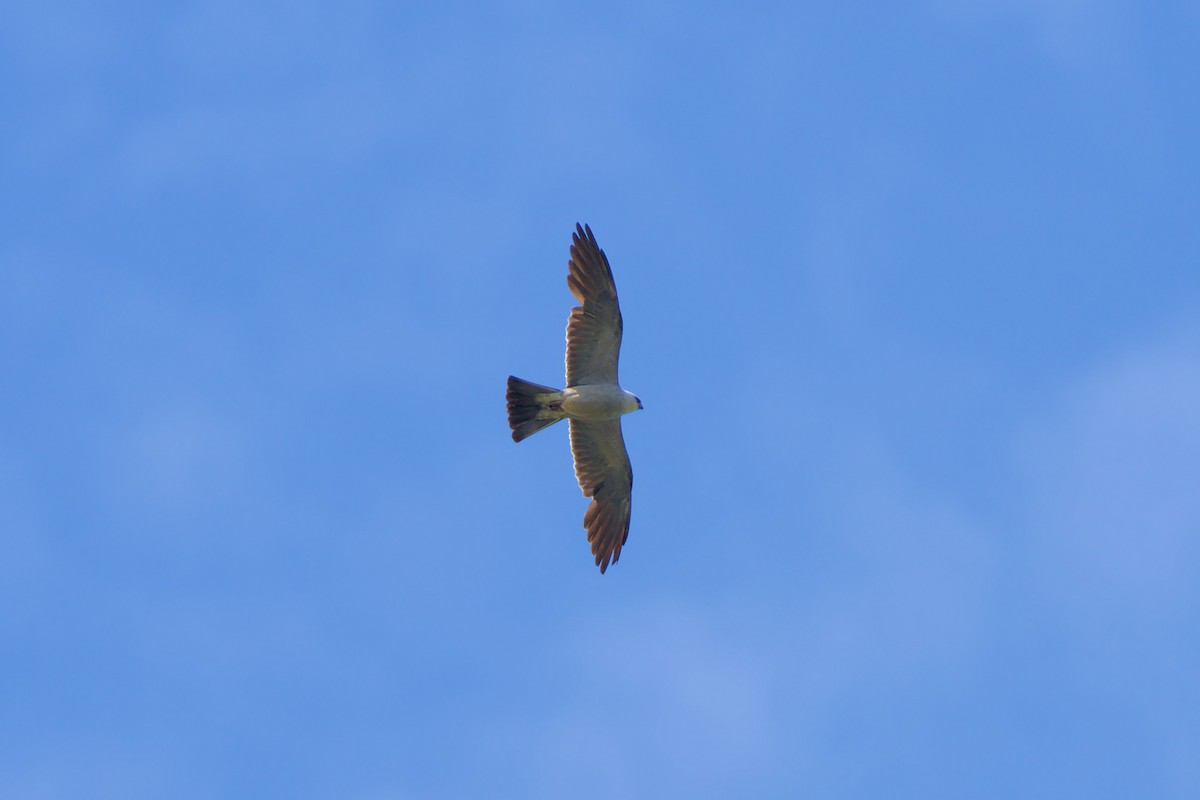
[1115, 467]
[1113, 514]
[178, 456]
[701, 706]
[1068, 31]
[98, 766]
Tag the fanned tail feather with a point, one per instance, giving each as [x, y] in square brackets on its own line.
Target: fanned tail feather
[531, 407]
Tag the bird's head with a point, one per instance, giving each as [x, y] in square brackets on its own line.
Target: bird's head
[630, 402]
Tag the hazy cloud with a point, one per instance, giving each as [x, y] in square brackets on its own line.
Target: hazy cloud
[1068, 31]
[1115, 469]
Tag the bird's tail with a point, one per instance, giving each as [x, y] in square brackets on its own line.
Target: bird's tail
[531, 407]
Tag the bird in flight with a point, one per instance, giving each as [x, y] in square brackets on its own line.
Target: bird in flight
[593, 401]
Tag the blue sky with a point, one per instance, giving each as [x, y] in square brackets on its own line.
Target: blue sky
[911, 295]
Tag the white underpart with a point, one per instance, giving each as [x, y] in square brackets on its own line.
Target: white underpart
[598, 401]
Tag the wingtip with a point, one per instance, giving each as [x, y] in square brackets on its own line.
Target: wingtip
[583, 233]
[605, 560]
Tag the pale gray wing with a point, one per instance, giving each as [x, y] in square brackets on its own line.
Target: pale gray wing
[594, 329]
[604, 474]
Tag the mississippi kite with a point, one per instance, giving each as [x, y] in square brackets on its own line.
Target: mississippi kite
[592, 401]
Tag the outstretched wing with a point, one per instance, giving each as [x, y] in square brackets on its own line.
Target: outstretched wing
[594, 329]
[604, 474]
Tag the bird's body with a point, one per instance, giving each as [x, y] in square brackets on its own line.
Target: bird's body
[593, 401]
[598, 401]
